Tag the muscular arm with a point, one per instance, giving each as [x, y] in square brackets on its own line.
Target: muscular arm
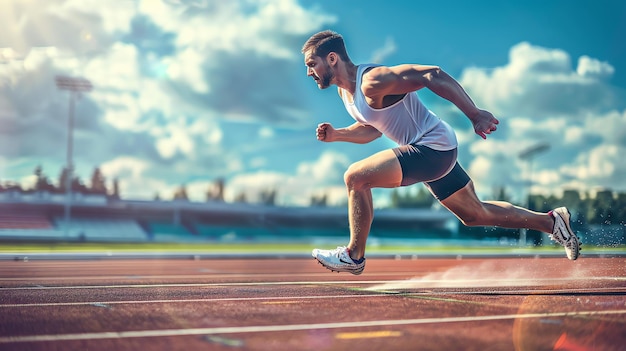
[398, 80]
[356, 133]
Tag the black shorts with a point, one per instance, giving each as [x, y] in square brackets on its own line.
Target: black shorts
[438, 170]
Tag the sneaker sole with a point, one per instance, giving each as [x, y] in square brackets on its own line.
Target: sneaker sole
[566, 216]
[333, 269]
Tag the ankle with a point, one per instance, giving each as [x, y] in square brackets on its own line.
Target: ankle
[354, 256]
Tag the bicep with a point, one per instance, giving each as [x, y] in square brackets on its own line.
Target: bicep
[396, 80]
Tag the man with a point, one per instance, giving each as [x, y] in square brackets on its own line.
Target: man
[383, 101]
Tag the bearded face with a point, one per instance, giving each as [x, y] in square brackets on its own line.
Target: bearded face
[319, 70]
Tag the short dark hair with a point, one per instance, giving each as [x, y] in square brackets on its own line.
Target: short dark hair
[326, 42]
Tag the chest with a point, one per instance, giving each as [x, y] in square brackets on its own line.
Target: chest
[373, 102]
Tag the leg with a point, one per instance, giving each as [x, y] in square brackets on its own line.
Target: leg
[472, 212]
[456, 192]
[381, 170]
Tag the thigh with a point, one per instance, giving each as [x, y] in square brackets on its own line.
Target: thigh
[450, 184]
[381, 170]
[464, 203]
[420, 163]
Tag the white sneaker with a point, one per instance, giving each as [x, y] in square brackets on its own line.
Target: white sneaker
[562, 233]
[338, 260]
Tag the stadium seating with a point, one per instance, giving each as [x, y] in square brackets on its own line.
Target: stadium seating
[24, 221]
[161, 231]
[92, 229]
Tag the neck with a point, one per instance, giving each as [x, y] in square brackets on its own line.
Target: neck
[346, 77]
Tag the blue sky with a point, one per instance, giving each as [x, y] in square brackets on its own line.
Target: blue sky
[186, 92]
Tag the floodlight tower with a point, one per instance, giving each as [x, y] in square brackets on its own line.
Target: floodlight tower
[75, 86]
[528, 155]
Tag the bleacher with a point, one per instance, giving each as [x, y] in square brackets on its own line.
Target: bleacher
[24, 221]
[28, 226]
[161, 231]
[104, 229]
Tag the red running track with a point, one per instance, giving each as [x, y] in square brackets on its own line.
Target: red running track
[295, 304]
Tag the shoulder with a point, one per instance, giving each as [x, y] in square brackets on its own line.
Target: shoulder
[376, 80]
[374, 75]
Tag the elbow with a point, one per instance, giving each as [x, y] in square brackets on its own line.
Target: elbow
[434, 74]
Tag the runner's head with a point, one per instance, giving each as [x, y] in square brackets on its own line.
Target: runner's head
[322, 51]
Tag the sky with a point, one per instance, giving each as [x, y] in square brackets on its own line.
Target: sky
[190, 91]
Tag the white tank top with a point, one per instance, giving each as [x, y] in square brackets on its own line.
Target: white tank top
[407, 121]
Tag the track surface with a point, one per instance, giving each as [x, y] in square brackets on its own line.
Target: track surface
[295, 304]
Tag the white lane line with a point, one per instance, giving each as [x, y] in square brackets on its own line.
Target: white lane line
[188, 276]
[397, 284]
[309, 297]
[290, 327]
[259, 275]
[200, 285]
[222, 299]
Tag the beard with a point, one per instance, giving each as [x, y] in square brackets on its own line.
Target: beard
[326, 78]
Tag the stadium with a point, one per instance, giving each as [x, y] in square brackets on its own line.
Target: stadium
[224, 174]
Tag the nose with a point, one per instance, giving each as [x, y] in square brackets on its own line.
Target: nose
[309, 71]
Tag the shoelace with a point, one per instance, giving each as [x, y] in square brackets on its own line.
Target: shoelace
[338, 250]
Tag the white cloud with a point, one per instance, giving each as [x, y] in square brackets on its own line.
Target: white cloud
[330, 168]
[218, 26]
[312, 178]
[541, 83]
[166, 76]
[186, 67]
[539, 97]
[170, 76]
[266, 132]
[134, 177]
[176, 140]
[381, 54]
[592, 68]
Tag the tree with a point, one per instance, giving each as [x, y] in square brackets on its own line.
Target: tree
[319, 200]
[63, 180]
[216, 191]
[116, 189]
[181, 193]
[500, 194]
[602, 208]
[241, 198]
[421, 199]
[268, 197]
[620, 205]
[98, 182]
[42, 182]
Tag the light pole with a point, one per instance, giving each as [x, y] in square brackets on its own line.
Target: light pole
[75, 86]
[528, 155]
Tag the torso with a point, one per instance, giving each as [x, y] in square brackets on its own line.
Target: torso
[402, 118]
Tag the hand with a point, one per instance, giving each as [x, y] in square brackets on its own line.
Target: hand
[484, 123]
[324, 132]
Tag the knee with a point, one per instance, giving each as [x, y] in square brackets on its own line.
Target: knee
[355, 178]
[469, 221]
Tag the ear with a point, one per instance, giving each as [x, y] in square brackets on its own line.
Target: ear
[332, 58]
